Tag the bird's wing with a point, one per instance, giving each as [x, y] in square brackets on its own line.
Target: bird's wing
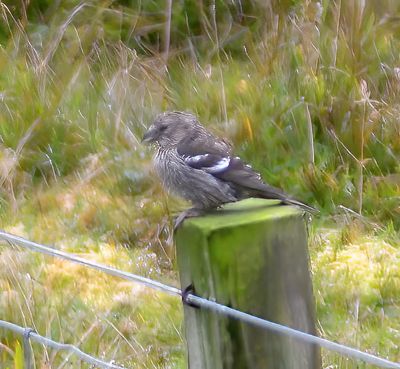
[205, 152]
[203, 143]
[214, 156]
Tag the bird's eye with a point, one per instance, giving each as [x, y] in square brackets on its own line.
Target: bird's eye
[163, 127]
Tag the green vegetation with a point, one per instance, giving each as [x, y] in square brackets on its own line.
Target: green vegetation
[308, 92]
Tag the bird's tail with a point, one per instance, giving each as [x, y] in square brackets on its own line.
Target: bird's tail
[308, 208]
[269, 192]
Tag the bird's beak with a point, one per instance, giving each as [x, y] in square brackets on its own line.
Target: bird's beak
[149, 136]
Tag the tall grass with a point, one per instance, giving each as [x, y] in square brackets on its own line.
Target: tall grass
[307, 92]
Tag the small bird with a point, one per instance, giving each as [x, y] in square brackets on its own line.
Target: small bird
[200, 167]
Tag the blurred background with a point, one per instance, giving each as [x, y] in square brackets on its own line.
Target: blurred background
[308, 92]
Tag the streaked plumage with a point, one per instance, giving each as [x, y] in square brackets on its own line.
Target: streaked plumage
[200, 167]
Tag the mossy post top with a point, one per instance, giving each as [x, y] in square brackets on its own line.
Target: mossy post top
[243, 212]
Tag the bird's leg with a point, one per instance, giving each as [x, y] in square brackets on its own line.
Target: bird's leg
[189, 213]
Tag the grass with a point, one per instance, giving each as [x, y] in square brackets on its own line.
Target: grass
[356, 285]
[307, 92]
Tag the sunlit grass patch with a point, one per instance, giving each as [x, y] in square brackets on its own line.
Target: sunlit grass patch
[104, 315]
[357, 289]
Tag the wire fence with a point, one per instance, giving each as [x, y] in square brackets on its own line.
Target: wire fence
[192, 300]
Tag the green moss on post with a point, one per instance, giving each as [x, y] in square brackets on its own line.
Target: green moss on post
[252, 256]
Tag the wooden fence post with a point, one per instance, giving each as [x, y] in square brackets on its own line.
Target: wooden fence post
[252, 256]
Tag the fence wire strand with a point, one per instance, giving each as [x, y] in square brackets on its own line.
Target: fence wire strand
[91, 264]
[194, 300]
[53, 344]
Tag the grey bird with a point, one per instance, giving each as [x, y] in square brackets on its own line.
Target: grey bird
[195, 164]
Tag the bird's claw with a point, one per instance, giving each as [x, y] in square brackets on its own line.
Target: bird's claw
[190, 213]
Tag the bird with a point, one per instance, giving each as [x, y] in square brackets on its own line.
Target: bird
[198, 166]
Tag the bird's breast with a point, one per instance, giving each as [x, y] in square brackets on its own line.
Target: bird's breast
[169, 167]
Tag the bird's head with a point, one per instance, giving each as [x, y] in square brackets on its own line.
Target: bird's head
[170, 128]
